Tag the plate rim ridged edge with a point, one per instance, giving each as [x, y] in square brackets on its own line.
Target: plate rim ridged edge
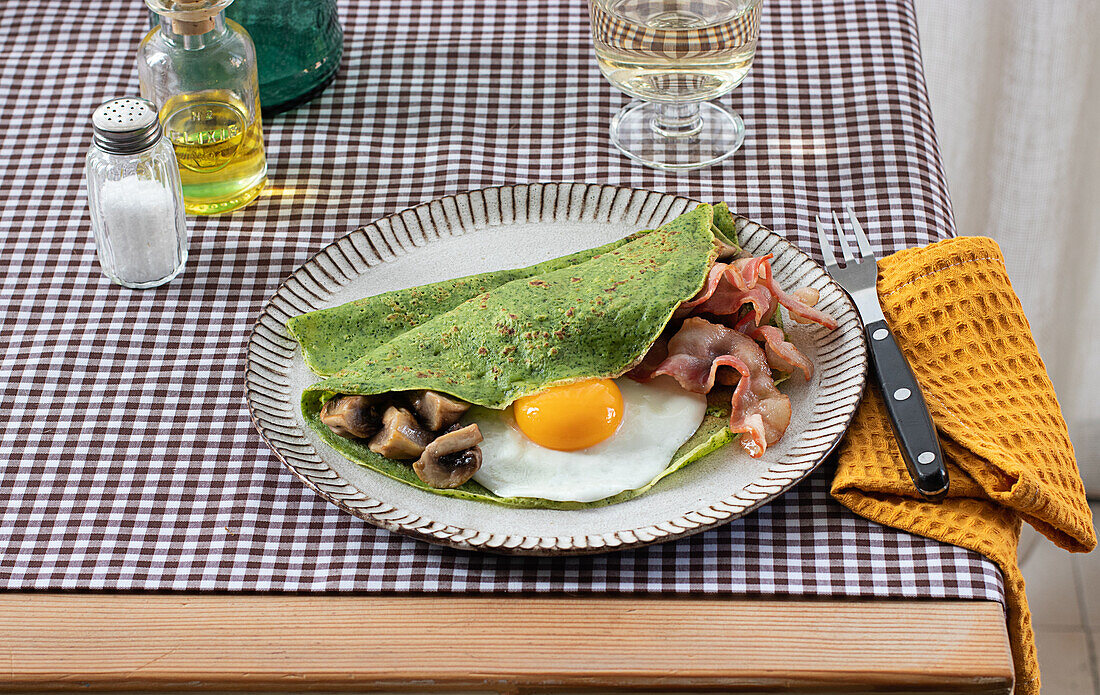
[270, 350]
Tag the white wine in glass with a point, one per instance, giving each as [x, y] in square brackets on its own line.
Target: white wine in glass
[676, 56]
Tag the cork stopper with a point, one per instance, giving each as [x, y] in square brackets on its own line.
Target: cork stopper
[189, 17]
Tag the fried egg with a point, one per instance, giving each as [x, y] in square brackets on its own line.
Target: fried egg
[586, 441]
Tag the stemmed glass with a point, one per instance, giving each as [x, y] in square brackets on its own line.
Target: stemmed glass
[676, 56]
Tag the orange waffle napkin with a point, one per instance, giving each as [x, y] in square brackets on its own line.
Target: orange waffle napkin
[953, 311]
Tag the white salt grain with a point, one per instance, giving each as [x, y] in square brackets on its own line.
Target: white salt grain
[140, 222]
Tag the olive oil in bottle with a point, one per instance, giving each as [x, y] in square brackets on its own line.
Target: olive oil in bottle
[200, 70]
[220, 149]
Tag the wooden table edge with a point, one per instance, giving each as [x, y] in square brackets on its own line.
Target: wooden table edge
[336, 642]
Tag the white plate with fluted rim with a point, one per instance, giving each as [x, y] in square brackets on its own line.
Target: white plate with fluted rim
[511, 227]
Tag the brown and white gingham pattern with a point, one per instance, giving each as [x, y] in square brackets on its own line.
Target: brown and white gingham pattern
[127, 459]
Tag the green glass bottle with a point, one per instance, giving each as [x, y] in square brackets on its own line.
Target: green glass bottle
[298, 47]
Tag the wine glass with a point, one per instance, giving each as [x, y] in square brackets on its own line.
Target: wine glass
[676, 56]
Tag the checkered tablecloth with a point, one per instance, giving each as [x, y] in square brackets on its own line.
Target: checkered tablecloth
[127, 458]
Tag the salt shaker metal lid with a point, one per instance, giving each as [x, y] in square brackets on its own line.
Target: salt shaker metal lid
[126, 125]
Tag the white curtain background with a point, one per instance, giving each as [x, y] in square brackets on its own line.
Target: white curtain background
[1015, 92]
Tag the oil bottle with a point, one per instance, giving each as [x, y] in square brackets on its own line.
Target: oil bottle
[199, 68]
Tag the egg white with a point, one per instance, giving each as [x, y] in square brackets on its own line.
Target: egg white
[658, 418]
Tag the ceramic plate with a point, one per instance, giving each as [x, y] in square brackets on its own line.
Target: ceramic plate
[515, 226]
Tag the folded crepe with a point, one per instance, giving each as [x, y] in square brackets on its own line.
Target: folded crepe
[491, 338]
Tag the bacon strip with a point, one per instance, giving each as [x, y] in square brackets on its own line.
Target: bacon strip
[758, 409]
[728, 300]
[749, 281]
[713, 278]
[720, 298]
[744, 274]
[694, 354]
[782, 355]
[798, 308]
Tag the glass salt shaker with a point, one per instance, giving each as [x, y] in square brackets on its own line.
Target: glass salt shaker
[135, 196]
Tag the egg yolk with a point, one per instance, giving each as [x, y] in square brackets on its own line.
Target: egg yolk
[572, 416]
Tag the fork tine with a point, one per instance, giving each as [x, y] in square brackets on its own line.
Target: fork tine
[826, 247]
[861, 236]
[844, 248]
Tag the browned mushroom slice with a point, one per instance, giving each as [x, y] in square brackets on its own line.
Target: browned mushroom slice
[726, 251]
[436, 410]
[401, 437]
[451, 459]
[351, 416]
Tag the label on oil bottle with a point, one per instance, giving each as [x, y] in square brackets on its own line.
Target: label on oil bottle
[205, 133]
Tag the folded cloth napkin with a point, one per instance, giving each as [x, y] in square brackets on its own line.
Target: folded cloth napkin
[1009, 457]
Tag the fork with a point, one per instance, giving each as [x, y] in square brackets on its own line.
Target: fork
[912, 424]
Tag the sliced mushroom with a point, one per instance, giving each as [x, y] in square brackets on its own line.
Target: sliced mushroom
[351, 416]
[726, 249]
[436, 410]
[401, 437]
[451, 459]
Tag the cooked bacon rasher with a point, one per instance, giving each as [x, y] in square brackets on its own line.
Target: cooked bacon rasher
[781, 353]
[759, 410]
[741, 298]
[730, 287]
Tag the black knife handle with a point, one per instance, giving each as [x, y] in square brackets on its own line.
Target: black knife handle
[913, 428]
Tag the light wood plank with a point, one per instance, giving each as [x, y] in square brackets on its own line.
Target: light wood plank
[112, 642]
